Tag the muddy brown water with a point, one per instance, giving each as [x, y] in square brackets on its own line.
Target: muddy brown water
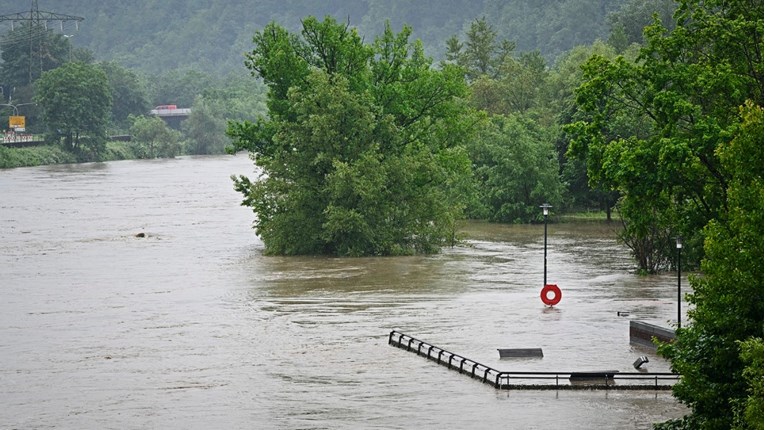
[191, 327]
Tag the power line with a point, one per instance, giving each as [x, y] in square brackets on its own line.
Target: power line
[37, 18]
[40, 17]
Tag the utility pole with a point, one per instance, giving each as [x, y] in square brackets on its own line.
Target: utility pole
[37, 18]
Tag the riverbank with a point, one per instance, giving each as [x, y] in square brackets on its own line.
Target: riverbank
[54, 154]
[122, 150]
[34, 156]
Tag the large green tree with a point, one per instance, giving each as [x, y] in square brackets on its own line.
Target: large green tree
[75, 100]
[720, 380]
[361, 152]
[679, 133]
[650, 128]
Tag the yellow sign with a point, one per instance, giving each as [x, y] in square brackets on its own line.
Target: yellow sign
[17, 122]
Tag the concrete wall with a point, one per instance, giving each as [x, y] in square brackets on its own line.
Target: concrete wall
[641, 333]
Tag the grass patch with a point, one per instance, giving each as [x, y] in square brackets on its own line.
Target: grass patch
[34, 156]
[54, 154]
[587, 216]
[116, 150]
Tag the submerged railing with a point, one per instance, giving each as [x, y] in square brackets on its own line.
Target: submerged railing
[611, 380]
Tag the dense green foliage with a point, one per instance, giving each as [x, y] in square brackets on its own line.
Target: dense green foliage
[128, 92]
[76, 119]
[516, 170]
[23, 63]
[360, 154]
[28, 51]
[748, 413]
[720, 379]
[40, 155]
[650, 128]
[369, 149]
[171, 61]
[154, 139]
[626, 26]
[513, 156]
[206, 133]
[679, 133]
[75, 101]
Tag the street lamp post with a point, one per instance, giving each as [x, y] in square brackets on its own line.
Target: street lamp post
[679, 244]
[545, 211]
[16, 107]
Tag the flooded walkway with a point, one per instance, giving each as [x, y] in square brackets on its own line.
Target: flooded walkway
[192, 327]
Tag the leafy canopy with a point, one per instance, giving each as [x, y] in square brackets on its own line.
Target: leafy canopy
[153, 138]
[650, 128]
[679, 133]
[361, 152]
[514, 161]
[76, 102]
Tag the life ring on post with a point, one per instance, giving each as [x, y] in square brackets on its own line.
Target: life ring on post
[556, 294]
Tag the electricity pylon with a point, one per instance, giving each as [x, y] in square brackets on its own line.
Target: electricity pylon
[37, 18]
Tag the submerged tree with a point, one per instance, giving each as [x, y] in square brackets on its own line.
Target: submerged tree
[205, 132]
[360, 154]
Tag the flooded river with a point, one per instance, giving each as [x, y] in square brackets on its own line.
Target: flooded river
[191, 327]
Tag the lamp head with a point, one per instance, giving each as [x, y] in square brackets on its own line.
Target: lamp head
[545, 209]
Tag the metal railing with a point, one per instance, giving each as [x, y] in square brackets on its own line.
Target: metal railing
[21, 139]
[526, 380]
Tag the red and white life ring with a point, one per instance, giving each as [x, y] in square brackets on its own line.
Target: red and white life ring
[556, 294]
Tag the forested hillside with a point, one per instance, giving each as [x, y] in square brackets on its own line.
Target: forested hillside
[212, 35]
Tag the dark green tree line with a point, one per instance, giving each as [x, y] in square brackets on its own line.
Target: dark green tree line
[28, 51]
[582, 193]
[210, 35]
[514, 161]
